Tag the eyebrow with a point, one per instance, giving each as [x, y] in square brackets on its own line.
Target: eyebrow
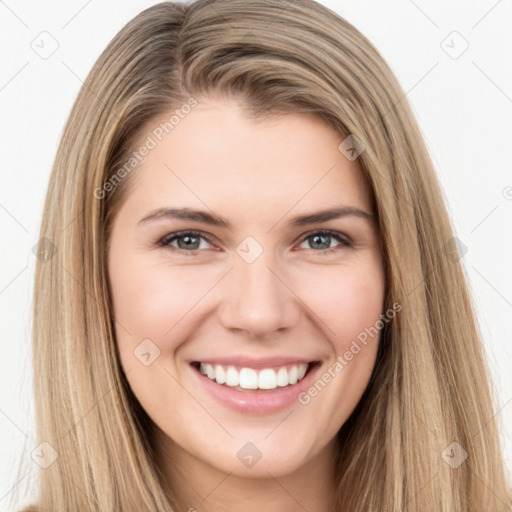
[214, 220]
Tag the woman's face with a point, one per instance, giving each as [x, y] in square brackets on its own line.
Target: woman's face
[263, 289]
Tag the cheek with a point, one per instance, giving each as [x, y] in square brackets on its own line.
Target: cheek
[148, 295]
[350, 305]
[150, 300]
[348, 301]
[355, 308]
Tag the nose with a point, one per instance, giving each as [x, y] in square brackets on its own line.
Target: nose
[258, 300]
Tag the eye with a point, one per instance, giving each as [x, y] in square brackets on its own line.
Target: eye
[321, 240]
[187, 241]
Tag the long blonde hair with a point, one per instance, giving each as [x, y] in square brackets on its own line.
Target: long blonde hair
[430, 386]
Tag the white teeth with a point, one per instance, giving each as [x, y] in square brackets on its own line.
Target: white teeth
[210, 372]
[267, 379]
[220, 374]
[292, 375]
[282, 377]
[248, 378]
[232, 377]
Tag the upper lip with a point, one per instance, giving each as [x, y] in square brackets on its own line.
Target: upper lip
[257, 363]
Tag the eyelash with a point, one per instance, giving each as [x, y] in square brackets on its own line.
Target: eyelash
[167, 239]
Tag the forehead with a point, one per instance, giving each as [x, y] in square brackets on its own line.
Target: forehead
[219, 156]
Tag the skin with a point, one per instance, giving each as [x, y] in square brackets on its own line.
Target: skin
[295, 299]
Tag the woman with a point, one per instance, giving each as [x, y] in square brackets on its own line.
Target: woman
[255, 301]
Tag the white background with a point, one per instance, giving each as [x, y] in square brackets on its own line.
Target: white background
[463, 105]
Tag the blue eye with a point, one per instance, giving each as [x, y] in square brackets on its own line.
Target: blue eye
[189, 242]
[322, 240]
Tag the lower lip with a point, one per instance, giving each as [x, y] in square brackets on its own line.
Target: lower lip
[255, 401]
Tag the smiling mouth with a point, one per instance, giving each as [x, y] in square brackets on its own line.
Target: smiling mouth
[255, 380]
